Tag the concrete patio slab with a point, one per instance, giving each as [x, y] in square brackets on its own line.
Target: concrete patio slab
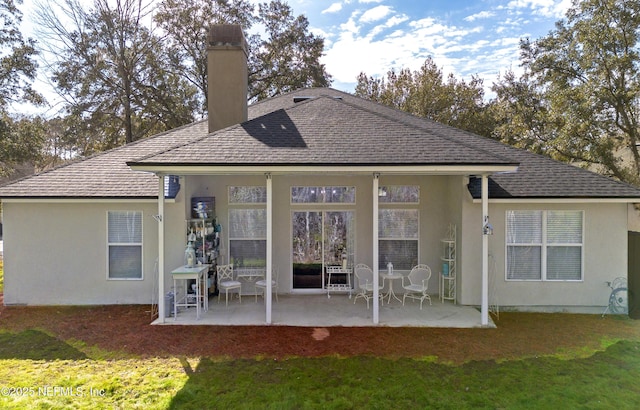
[339, 310]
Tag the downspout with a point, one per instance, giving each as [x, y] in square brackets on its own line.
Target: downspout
[376, 274]
[268, 297]
[160, 219]
[484, 310]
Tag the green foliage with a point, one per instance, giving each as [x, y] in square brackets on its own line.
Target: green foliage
[17, 65]
[286, 57]
[112, 72]
[426, 93]
[21, 141]
[186, 24]
[17, 71]
[289, 58]
[583, 86]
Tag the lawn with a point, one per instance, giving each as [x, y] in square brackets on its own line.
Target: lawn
[110, 357]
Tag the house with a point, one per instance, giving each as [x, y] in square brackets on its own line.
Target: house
[308, 179]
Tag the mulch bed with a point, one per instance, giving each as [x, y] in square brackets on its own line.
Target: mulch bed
[127, 329]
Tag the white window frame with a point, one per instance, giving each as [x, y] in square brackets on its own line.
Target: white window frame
[125, 244]
[244, 206]
[544, 245]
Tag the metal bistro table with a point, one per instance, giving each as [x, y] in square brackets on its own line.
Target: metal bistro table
[199, 273]
[390, 277]
[250, 275]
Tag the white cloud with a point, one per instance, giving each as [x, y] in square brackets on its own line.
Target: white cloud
[375, 14]
[334, 8]
[544, 8]
[369, 1]
[481, 15]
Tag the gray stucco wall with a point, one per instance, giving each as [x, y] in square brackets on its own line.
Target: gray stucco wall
[55, 253]
[605, 257]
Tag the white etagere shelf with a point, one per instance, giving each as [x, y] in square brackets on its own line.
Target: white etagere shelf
[448, 272]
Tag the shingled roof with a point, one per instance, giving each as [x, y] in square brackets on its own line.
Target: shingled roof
[321, 127]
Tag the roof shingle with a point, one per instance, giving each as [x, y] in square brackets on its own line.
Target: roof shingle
[331, 128]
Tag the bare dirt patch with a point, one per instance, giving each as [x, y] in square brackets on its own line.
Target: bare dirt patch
[127, 329]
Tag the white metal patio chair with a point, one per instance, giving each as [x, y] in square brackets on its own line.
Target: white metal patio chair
[262, 284]
[364, 276]
[226, 282]
[418, 284]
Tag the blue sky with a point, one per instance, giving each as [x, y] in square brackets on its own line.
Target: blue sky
[463, 37]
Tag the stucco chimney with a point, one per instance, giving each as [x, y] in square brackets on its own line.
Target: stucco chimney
[227, 76]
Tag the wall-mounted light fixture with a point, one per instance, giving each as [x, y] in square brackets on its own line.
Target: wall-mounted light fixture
[487, 228]
[158, 218]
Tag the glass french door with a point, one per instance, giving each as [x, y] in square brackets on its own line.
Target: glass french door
[319, 239]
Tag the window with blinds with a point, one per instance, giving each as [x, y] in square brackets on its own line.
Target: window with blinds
[247, 227]
[124, 243]
[398, 227]
[544, 245]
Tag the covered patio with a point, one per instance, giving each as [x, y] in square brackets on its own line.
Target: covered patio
[339, 310]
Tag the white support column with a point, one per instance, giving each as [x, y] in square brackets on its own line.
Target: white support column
[484, 310]
[160, 219]
[376, 275]
[268, 297]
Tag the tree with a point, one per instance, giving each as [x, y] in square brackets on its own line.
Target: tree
[521, 114]
[185, 24]
[110, 69]
[289, 58]
[426, 93]
[588, 72]
[17, 72]
[17, 64]
[286, 59]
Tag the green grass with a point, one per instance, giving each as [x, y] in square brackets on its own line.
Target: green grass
[40, 371]
[57, 374]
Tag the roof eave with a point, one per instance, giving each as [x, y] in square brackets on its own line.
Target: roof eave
[351, 169]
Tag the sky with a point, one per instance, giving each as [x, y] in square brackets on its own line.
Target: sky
[464, 37]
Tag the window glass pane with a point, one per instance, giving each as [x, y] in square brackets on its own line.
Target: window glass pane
[247, 194]
[248, 253]
[125, 262]
[564, 263]
[524, 227]
[524, 262]
[125, 226]
[403, 254]
[247, 223]
[399, 194]
[564, 227]
[318, 195]
[340, 194]
[398, 223]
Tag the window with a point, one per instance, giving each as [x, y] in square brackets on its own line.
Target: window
[247, 226]
[124, 244]
[399, 194]
[247, 195]
[398, 226]
[544, 245]
[323, 195]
